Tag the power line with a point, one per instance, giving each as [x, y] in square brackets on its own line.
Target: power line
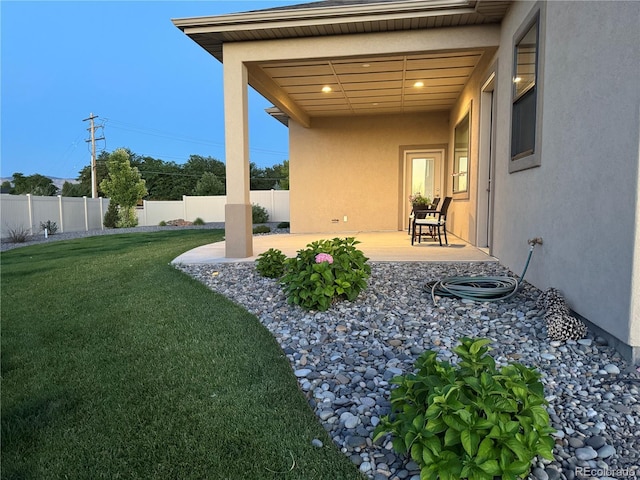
[163, 134]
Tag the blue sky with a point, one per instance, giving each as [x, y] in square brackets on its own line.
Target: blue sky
[155, 91]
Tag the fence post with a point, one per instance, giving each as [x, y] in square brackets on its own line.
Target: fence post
[101, 215]
[184, 206]
[60, 212]
[273, 204]
[30, 209]
[86, 214]
[144, 210]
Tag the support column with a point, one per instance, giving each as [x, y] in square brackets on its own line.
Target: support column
[237, 212]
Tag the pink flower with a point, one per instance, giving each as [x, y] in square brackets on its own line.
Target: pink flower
[324, 257]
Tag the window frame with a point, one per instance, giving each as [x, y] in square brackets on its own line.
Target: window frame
[458, 172]
[530, 158]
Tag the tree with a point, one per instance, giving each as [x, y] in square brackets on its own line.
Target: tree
[209, 184]
[84, 176]
[34, 184]
[124, 186]
[75, 190]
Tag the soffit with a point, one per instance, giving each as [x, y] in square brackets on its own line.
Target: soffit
[367, 85]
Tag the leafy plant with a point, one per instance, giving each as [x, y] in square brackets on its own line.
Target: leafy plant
[198, 221]
[418, 199]
[111, 216]
[262, 229]
[471, 420]
[126, 217]
[259, 214]
[18, 235]
[324, 272]
[51, 227]
[284, 225]
[162, 223]
[271, 263]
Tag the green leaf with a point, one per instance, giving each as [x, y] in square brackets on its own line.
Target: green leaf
[451, 437]
[518, 467]
[520, 451]
[478, 344]
[470, 441]
[491, 467]
[485, 449]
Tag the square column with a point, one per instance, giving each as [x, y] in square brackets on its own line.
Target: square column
[238, 220]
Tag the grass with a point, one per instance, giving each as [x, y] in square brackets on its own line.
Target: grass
[117, 365]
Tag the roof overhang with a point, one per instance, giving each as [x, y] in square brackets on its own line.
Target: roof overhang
[360, 84]
[338, 19]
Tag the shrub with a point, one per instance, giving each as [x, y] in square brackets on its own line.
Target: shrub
[259, 214]
[470, 420]
[18, 235]
[127, 217]
[324, 272]
[271, 263]
[111, 217]
[52, 227]
[162, 223]
[198, 221]
[261, 229]
[284, 225]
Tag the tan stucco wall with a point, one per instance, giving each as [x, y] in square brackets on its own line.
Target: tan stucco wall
[352, 167]
[462, 216]
[583, 198]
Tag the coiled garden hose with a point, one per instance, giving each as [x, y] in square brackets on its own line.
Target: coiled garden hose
[481, 289]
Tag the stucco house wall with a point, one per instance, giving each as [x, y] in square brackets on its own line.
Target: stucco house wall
[352, 166]
[462, 218]
[583, 198]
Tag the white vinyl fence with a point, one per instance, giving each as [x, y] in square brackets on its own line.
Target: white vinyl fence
[211, 209]
[72, 214]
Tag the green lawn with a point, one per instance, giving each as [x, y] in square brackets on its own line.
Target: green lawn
[117, 365]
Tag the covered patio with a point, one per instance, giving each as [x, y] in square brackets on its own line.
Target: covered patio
[378, 246]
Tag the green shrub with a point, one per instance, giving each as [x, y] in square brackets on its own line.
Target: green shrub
[111, 217]
[52, 227]
[162, 223]
[259, 214]
[284, 225]
[198, 221]
[271, 263]
[471, 420]
[261, 229]
[324, 272]
[127, 217]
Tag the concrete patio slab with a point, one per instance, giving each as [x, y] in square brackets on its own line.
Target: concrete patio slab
[378, 246]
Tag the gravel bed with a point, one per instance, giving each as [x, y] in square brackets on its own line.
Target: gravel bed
[344, 358]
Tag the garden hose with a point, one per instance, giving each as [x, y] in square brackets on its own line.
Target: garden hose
[481, 289]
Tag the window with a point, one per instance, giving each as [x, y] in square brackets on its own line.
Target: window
[461, 156]
[526, 105]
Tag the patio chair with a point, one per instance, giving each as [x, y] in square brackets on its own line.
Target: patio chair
[431, 207]
[434, 221]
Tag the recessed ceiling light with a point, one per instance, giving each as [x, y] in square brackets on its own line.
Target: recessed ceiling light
[375, 103]
[327, 89]
[365, 65]
[419, 84]
[517, 80]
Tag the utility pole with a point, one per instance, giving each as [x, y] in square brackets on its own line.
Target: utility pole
[94, 176]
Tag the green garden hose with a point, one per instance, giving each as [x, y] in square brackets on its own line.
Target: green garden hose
[481, 289]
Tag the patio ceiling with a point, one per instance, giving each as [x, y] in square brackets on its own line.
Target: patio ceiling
[366, 85]
[354, 85]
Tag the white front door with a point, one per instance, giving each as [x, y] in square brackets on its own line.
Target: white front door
[423, 174]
